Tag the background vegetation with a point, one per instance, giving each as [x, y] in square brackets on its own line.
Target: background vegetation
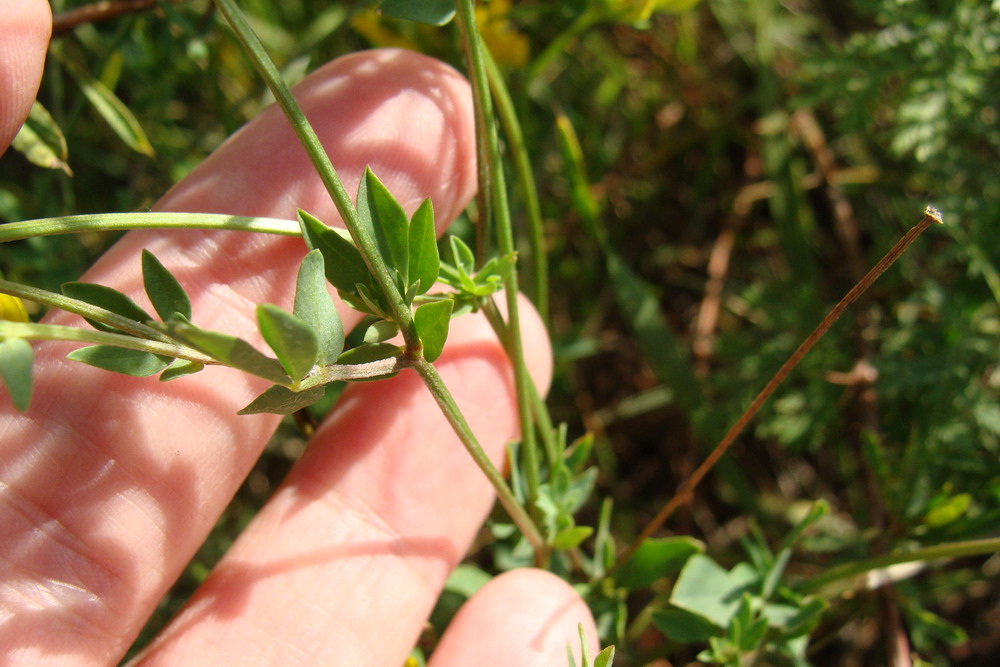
[745, 163]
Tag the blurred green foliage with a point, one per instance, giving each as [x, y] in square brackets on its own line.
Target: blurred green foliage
[745, 162]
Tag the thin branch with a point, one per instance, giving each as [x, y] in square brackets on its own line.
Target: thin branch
[686, 489]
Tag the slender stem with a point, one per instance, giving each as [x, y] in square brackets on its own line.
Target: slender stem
[529, 190]
[853, 569]
[324, 168]
[368, 371]
[505, 237]
[685, 490]
[83, 309]
[451, 411]
[116, 222]
[35, 331]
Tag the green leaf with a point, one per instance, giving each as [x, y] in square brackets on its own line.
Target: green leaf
[292, 340]
[368, 353]
[107, 298]
[605, 658]
[683, 626]
[432, 12]
[655, 559]
[706, 589]
[343, 264]
[424, 259]
[16, 360]
[570, 538]
[380, 331]
[386, 220]
[230, 350]
[180, 368]
[464, 260]
[136, 363]
[114, 112]
[163, 290]
[314, 306]
[282, 401]
[41, 140]
[431, 321]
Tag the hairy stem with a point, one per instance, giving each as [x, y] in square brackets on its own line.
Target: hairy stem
[119, 222]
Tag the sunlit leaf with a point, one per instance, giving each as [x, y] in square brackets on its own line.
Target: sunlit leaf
[424, 259]
[107, 298]
[41, 140]
[282, 401]
[386, 221]
[180, 368]
[432, 320]
[343, 264]
[293, 341]
[121, 360]
[314, 306]
[706, 589]
[165, 293]
[230, 350]
[16, 360]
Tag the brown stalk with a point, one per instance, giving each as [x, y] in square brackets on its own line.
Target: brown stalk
[686, 488]
[64, 22]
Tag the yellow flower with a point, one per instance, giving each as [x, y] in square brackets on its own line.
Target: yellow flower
[639, 11]
[506, 44]
[12, 309]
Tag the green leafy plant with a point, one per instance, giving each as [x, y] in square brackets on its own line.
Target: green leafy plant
[677, 593]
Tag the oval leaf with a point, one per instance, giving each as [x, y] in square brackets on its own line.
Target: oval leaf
[291, 339]
[41, 140]
[121, 360]
[165, 293]
[230, 350]
[107, 298]
[342, 262]
[424, 260]
[431, 320]
[314, 306]
[386, 220]
[16, 360]
[655, 559]
[280, 400]
[180, 368]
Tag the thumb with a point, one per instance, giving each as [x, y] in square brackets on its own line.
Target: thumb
[24, 37]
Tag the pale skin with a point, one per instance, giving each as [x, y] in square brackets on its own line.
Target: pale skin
[109, 484]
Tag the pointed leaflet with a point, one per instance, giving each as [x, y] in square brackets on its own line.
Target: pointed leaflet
[386, 220]
[165, 293]
[16, 359]
[343, 263]
[107, 298]
[41, 140]
[431, 320]
[180, 368]
[121, 360]
[292, 340]
[655, 559]
[314, 306]
[230, 350]
[280, 400]
[424, 261]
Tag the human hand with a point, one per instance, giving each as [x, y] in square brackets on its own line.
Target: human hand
[109, 484]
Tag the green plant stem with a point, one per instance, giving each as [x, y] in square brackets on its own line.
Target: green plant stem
[450, 409]
[324, 168]
[83, 309]
[557, 46]
[526, 180]
[486, 133]
[936, 552]
[35, 331]
[117, 222]
[686, 489]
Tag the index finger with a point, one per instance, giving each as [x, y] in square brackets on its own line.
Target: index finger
[109, 484]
